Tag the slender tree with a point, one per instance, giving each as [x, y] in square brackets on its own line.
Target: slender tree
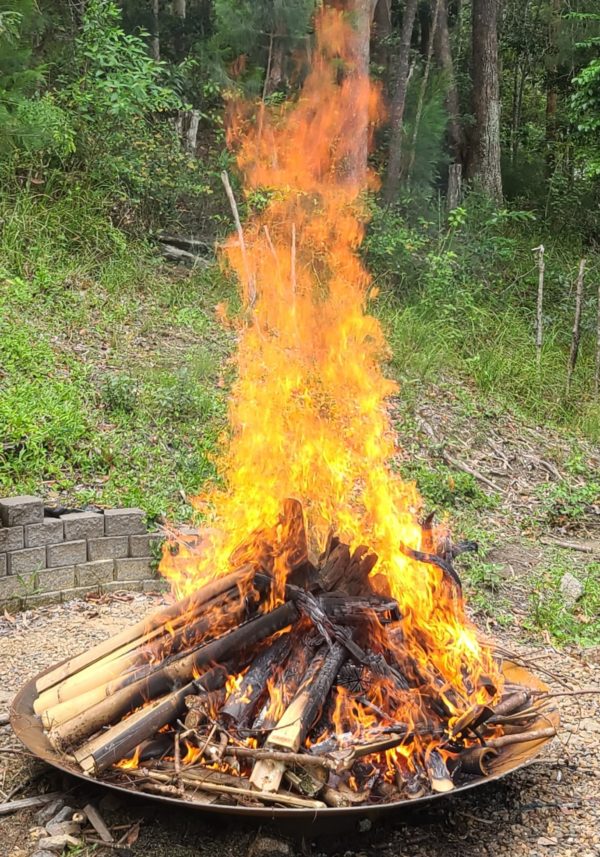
[443, 54]
[401, 71]
[483, 166]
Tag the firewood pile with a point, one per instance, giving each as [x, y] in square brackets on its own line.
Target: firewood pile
[286, 682]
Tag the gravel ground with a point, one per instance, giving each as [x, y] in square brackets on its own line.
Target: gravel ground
[550, 808]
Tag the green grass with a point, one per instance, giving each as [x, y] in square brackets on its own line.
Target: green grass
[577, 625]
[110, 366]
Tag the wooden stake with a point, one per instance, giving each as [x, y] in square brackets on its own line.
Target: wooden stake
[250, 285]
[597, 372]
[576, 325]
[539, 324]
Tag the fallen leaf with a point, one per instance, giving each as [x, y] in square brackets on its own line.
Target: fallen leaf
[547, 840]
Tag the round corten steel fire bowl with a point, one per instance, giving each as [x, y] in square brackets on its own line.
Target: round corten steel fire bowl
[28, 728]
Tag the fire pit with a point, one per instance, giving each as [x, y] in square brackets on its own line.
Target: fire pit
[319, 658]
[278, 695]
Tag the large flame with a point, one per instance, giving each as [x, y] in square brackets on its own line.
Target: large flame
[308, 414]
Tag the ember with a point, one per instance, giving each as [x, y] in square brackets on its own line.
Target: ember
[320, 654]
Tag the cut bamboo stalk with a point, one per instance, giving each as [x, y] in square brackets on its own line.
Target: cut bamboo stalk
[75, 693]
[476, 760]
[182, 609]
[242, 702]
[176, 673]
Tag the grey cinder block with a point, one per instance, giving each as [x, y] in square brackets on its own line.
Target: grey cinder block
[67, 553]
[26, 560]
[107, 548]
[145, 544]
[137, 568]
[48, 532]
[14, 586]
[122, 585]
[56, 579]
[157, 584]
[30, 602]
[11, 539]
[95, 573]
[83, 525]
[17, 511]
[123, 522]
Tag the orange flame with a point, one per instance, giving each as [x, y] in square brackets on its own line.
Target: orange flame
[308, 412]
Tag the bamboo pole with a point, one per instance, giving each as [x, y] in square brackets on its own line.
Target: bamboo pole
[576, 326]
[181, 611]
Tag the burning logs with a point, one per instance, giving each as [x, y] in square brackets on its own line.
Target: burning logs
[299, 690]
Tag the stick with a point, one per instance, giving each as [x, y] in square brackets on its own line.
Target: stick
[222, 788]
[511, 703]
[539, 325]
[534, 735]
[574, 546]
[597, 372]
[250, 286]
[28, 802]
[282, 756]
[576, 325]
[97, 822]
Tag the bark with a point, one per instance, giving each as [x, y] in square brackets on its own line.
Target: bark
[443, 52]
[382, 29]
[275, 74]
[363, 15]
[552, 85]
[424, 81]
[399, 101]
[155, 39]
[484, 167]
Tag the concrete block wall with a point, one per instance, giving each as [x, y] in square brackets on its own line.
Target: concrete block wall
[47, 559]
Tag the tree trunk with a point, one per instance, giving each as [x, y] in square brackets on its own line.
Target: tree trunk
[552, 85]
[382, 30]
[424, 81]
[178, 7]
[155, 39]
[363, 15]
[484, 167]
[275, 74]
[399, 101]
[443, 53]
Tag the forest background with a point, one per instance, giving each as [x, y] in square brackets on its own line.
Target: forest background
[114, 365]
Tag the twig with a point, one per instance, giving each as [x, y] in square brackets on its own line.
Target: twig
[574, 546]
[250, 286]
[281, 756]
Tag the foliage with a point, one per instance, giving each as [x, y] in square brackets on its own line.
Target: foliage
[119, 107]
[105, 394]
